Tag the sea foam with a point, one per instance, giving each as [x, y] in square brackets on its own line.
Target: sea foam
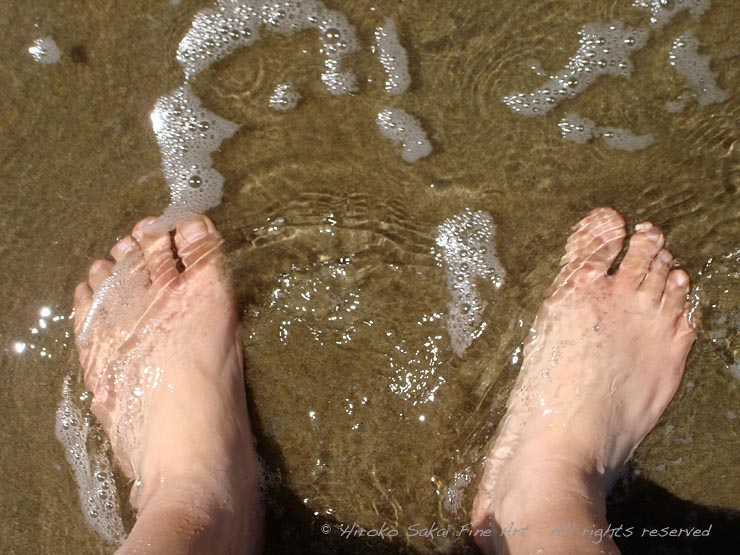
[187, 135]
[662, 11]
[216, 32]
[468, 253]
[402, 128]
[284, 97]
[578, 129]
[95, 483]
[603, 50]
[685, 58]
[393, 58]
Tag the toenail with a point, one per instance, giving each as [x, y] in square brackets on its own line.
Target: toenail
[151, 226]
[666, 257]
[194, 230]
[644, 226]
[653, 234]
[126, 244]
[682, 279]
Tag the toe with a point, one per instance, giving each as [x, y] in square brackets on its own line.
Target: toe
[674, 295]
[654, 282]
[146, 234]
[195, 239]
[99, 270]
[594, 244]
[123, 248]
[158, 257]
[644, 246]
[82, 302]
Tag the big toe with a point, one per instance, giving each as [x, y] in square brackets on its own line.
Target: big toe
[644, 246]
[155, 244]
[197, 239]
[594, 244]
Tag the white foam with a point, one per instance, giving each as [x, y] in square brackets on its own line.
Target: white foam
[393, 58]
[712, 303]
[604, 50]
[92, 470]
[685, 58]
[662, 11]
[453, 498]
[578, 129]
[120, 300]
[402, 128]
[216, 32]
[45, 51]
[284, 97]
[187, 135]
[468, 253]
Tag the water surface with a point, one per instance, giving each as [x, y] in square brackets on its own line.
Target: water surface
[364, 414]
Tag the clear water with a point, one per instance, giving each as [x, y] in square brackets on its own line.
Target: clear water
[331, 236]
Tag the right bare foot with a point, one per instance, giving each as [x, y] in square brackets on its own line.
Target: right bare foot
[160, 351]
[603, 359]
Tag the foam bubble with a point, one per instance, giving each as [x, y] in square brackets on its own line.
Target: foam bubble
[216, 32]
[393, 58]
[120, 300]
[662, 11]
[603, 50]
[453, 499]
[685, 58]
[578, 129]
[284, 97]
[187, 134]
[92, 469]
[468, 253]
[712, 301]
[45, 51]
[402, 128]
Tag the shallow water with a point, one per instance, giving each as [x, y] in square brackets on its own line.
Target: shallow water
[332, 242]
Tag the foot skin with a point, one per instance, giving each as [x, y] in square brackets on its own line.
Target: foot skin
[604, 357]
[168, 389]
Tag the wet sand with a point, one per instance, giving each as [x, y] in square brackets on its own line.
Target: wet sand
[330, 235]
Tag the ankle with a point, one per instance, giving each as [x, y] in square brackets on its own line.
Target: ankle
[533, 500]
[534, 487]
[197, 515]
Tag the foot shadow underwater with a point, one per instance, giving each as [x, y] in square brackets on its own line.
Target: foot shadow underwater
[640, 504]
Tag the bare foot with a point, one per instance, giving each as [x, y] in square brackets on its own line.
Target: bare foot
[160, 352]
[603, 359]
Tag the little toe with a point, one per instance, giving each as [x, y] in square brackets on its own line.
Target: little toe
[99, 270]
[644, 246]
[82, 302]
[196, 239]
[654, 282]
[594, 244]
[674, 295]
[125, 246]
